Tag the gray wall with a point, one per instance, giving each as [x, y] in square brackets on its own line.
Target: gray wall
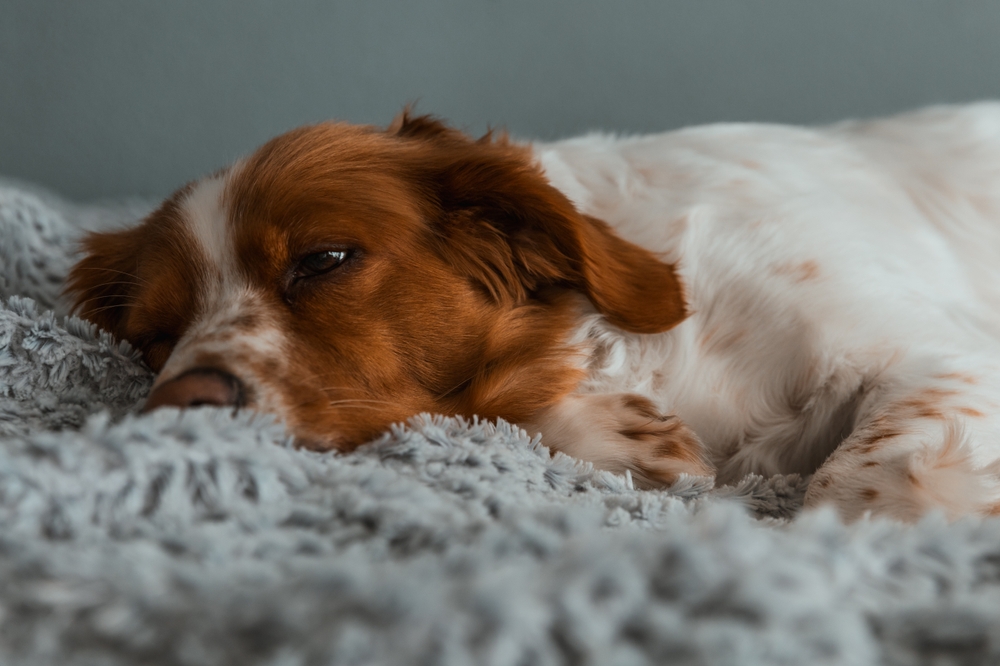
[109, 97]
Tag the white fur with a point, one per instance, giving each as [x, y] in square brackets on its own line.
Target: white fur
[203, 211]
[225, 297]
[834, 275]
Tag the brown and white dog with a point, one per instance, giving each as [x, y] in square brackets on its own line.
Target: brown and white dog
[713, 301]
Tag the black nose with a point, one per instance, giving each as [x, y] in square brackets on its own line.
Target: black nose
[197, 387]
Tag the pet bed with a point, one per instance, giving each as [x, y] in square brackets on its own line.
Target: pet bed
[201, 537]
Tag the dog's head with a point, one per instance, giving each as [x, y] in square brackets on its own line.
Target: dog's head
[346, 277]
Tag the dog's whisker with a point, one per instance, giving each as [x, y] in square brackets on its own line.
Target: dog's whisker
[126, 303]
[89, 312]
[114, 282]
[344, 388]
[350, 404]
[357, 406]
[112, 270]
[345, 402]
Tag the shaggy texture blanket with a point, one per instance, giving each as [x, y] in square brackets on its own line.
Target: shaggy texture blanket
[203, 538]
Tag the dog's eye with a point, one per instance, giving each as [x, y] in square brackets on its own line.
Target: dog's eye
[320, 262]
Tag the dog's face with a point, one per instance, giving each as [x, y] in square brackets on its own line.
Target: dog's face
[346, 278]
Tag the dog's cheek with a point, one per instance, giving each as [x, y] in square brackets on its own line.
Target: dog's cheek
[328, 407]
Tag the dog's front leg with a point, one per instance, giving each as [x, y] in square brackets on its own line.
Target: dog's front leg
[620, 432]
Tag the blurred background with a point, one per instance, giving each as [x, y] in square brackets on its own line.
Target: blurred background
[134, 97]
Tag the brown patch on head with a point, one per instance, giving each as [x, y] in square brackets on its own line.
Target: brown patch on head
[463, 274]
[483, 207]
[870, 463]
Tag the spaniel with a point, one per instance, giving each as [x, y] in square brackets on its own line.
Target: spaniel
[714, 301]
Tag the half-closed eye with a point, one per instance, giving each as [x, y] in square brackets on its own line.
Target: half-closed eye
[319, 263]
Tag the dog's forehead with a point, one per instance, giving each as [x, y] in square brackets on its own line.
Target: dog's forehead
[324, 176]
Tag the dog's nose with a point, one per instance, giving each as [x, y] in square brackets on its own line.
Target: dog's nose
[197, 387]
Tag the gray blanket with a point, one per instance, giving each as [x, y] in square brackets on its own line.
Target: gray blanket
[203, 538]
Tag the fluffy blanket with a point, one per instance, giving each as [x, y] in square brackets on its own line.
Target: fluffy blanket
[203, 538]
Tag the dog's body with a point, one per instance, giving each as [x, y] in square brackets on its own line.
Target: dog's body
[784, 300]
[844, 296]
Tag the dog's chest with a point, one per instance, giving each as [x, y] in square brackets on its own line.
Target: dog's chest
[778, 406]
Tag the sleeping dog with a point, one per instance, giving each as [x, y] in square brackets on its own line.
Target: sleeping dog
[715, 301]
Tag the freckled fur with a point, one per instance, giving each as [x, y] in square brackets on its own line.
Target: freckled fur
[725, 299]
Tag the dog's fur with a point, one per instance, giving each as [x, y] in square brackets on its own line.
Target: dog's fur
[717, 300]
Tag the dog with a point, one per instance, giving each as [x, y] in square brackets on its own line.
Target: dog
[713, 301]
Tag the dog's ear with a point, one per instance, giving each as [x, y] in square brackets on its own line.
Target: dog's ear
[500, 222]
[104, 282]
[626, 283]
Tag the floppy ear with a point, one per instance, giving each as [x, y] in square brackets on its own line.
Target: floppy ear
[500, 222]
[626, 283]
[102, 284]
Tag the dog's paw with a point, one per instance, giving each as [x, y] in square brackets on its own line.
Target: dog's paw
[620, 432]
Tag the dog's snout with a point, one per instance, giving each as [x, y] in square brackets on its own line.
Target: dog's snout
[198, 387]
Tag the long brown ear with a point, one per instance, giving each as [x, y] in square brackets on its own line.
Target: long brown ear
[102, 284]
[627, 284]
[507, 228]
